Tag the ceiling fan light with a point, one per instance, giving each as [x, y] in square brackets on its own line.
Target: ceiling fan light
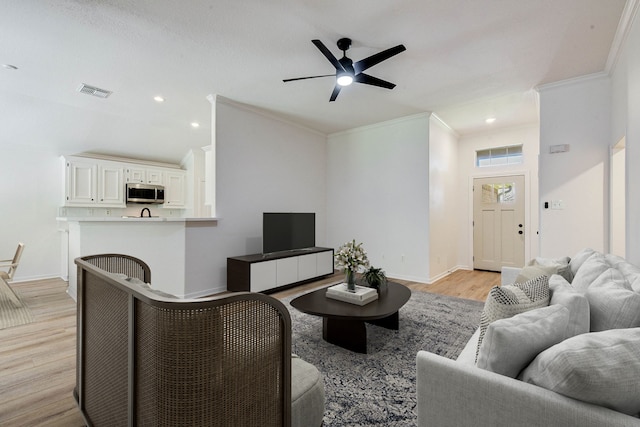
[344, 80]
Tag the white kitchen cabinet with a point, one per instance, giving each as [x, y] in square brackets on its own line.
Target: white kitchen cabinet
[136, 174]
[174, 189]
[111, 185]
[93, 183]
[155, 176]
[80, 182]
[139, 174]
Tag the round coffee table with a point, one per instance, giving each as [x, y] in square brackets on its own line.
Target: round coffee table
[343, 324]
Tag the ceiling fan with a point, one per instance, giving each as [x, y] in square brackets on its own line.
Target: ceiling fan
[348, 71]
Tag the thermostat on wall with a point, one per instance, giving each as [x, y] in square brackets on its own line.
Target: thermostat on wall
[561, 148]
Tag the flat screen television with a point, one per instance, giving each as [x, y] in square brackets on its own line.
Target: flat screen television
[288, 231]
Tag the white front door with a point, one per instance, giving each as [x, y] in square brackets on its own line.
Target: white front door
[498, 222]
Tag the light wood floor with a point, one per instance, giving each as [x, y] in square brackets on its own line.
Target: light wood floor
[37, 361]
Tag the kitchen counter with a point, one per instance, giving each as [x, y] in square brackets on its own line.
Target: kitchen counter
[176, 249]
[133, 219]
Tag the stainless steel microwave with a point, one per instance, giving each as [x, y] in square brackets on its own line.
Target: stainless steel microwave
[144, 193]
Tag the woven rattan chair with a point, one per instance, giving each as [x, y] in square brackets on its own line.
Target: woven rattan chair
[145, 359]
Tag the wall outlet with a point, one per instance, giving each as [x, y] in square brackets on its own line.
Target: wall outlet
[108, 212]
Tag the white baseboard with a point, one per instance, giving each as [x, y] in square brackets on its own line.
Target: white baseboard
[428, 280]
[205, 293]
[39, 277]
[446, 273]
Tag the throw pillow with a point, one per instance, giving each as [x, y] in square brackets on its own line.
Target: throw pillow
[509, 345]
[600, 368]
[529, 272]
[509, 300]
[579, 259]
[547, 267]
[564, 294]
[613, 303]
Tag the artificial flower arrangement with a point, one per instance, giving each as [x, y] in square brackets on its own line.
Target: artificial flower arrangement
[351, 257]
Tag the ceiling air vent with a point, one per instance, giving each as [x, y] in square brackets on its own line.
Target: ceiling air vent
[92, 90]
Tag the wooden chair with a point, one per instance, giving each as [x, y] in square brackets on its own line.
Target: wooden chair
[7, 276]
[11, 264]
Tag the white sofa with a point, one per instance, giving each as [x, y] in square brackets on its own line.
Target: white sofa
[587, 375]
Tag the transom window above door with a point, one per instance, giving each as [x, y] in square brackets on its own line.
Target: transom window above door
[511, 155]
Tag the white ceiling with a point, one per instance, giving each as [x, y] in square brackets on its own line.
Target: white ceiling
[465, 60]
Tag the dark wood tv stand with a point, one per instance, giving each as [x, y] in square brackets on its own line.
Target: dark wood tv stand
[268, 272]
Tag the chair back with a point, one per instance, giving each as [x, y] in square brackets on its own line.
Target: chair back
[15, 261]
[146, 359]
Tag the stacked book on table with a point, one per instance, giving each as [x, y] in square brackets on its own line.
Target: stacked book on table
[361, 296]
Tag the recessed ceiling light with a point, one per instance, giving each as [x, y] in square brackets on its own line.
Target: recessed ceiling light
[490, 120]
[158, 98]
[9, 67]
[195, 124]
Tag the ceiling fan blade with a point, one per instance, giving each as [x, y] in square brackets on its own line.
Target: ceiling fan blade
[372, 60]
[309, 77]
[327, 53]
[373, 81]
[334, 94]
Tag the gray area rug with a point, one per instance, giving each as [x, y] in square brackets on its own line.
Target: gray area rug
[379, 388]
[13, 310]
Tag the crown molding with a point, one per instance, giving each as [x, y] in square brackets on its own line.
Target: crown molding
[443, 123]
[574, 80]
[261, 112]
[382, 124]
[624, 27]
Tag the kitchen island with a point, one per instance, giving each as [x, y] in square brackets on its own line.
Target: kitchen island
[174, 248]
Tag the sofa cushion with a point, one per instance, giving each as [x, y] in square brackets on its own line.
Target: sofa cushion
[509, 300]
[599, 367]
[630, 272]
[579, 259]
[545, 267]
[562, 293]
[509, 345]
[593, 267]
[613, 303]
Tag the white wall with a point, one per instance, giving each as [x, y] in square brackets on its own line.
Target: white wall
[529, 137]
[378, 194]
[575, 113]
[263, 164]
[618, 202]
[30, 194]
[633, 145]
[444, 224]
